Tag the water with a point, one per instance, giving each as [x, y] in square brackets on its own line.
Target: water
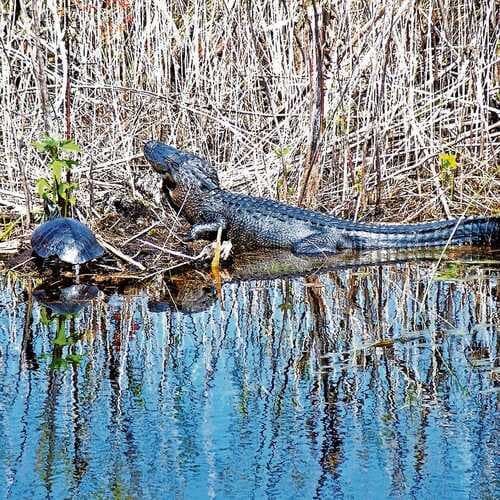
[369, 382]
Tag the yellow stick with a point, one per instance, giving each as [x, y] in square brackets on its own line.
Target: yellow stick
[215, 266]
[216, 260]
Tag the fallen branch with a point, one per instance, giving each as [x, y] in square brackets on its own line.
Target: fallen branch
[171, 252]
[8, 247]
[120, 254]
[140, 233]
[164, 270]
[22, 263]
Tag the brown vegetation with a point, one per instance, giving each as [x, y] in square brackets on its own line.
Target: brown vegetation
[343, 106]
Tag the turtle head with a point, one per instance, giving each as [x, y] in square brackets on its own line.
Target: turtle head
[51, 210]
[180, 169]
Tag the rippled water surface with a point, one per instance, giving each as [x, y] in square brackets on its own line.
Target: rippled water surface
[369, 382]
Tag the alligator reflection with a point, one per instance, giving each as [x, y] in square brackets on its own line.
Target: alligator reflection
[372, 379]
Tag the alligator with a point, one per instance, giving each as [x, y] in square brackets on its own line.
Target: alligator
[191, 186]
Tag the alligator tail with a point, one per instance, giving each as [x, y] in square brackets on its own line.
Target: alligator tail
[469, 231]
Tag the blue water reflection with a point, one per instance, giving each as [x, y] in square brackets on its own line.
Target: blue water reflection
[365, 383]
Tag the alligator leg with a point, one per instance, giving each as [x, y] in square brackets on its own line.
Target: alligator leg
[205, 231]
[319, 244]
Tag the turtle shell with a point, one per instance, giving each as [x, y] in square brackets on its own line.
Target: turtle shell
[65, 238]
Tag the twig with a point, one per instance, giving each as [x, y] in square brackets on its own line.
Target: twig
[164, 270]
[120, 254]
[171, 252]
[310, 178]
[204, 254]
[40, 70]
[132, 238]
[441, 194]
[22, 263]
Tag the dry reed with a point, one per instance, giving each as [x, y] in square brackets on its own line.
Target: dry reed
[346, 104]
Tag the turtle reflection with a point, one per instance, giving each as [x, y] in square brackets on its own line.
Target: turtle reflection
[59, 308]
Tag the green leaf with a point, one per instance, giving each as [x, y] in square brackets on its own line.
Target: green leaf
[50, 142]
[70, 146]
[57, 167]
[448, 161]
[62, 191]
[42, 187]
[51, 145]
[59, 364]
[39, 146]
[45, 145]
[44, 316]
[51, 196]
[65, 190]
[61, 340]
[450, 271]
[74, 358]
[70, 163]
[282, 152]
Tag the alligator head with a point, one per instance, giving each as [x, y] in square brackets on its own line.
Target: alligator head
[178, 167]
[186, 176]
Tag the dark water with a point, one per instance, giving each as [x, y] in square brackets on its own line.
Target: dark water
[363, 383]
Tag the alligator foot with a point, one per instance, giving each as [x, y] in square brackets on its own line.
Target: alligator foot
[205, 231]
[208, 251]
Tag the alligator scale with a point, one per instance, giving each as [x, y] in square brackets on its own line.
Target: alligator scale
[191, 186]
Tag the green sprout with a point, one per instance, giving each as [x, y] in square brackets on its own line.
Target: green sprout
[448, 164]
[57, 189]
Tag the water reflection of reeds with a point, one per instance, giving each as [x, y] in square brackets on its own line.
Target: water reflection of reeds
[374, 379]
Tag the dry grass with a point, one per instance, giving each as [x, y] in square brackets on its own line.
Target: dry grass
[346, 105]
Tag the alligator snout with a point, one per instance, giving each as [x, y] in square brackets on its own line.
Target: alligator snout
[161, 156]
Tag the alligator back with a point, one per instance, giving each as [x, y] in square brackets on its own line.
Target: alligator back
[272, 223]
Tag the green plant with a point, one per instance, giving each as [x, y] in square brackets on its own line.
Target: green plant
[58, 360]
[449, 271]
[284, 190]
[7, 229]
[359, 179]
[282, 152]
[341, 125]
[448, 165]
[58, 190]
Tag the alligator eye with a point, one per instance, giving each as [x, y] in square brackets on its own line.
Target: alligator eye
[169, 160]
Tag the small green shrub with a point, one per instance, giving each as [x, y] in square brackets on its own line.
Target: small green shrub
[56, 189]
[448, 166]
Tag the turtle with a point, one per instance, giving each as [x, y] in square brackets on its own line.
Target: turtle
[66, 238]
